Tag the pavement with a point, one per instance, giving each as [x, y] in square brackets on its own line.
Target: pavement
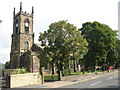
[82, 78]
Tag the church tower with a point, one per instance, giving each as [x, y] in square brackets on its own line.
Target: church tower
[22, 38]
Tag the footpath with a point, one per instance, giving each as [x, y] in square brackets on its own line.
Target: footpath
[72, 80]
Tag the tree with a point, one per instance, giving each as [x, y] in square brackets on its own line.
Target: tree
[2, 66]
[61, 40]
[118, 57]
[7, 65]
[102, 44]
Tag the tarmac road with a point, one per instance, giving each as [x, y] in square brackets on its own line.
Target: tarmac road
[109, 81]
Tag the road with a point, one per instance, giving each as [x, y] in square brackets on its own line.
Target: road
[2, 82]
[109, 81]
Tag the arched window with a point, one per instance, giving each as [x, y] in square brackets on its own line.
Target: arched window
[26, 25]
[26, 45]
[16, 26]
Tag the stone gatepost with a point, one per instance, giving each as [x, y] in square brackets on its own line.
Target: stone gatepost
[8, 80]
[79, 68]
[42, 74]
[49, 68]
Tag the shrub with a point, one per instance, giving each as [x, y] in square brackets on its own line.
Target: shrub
[66, 72]
[20, 71]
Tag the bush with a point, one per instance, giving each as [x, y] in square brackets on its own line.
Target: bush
[7, 65]
[66, 72]
[20, 71]
[49, 77]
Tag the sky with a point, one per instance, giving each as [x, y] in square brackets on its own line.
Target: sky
[46, 12]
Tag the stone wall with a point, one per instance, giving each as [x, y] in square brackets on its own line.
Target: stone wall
[28, 79]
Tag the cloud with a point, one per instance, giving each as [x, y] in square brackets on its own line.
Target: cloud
[4, 55]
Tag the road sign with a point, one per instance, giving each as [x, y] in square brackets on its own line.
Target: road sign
[104, 64]
[35, 70]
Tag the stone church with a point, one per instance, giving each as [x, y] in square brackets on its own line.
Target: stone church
[23, 50]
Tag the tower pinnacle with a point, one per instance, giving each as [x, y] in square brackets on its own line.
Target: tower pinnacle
[32, 10]
[14, 12]
[20, 6]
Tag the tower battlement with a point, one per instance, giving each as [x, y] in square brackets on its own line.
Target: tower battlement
[23, 12]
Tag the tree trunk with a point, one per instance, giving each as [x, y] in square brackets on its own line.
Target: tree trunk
[69, 68]
[53, 69]
[59, 72]
[79, 68]
[59, 75]
[75, 66]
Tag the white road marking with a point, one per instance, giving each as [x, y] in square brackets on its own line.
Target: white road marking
[112, 77]
[109, 78]
[95, 83]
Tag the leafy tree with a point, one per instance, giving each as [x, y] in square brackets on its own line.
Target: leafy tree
[102, 44]
[2, 66]
[61, 40]
[7, 65]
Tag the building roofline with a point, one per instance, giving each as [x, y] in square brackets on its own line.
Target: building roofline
[1, 21]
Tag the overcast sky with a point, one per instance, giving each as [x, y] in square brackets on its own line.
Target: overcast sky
[76, 12]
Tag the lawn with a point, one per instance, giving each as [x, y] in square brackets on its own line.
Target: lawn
[49, 77]
[55, 77]
[75, 73]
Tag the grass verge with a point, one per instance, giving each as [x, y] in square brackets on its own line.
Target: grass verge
[51, 77]
[55, 77]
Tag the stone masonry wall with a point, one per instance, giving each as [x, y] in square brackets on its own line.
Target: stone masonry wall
[20, 80]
